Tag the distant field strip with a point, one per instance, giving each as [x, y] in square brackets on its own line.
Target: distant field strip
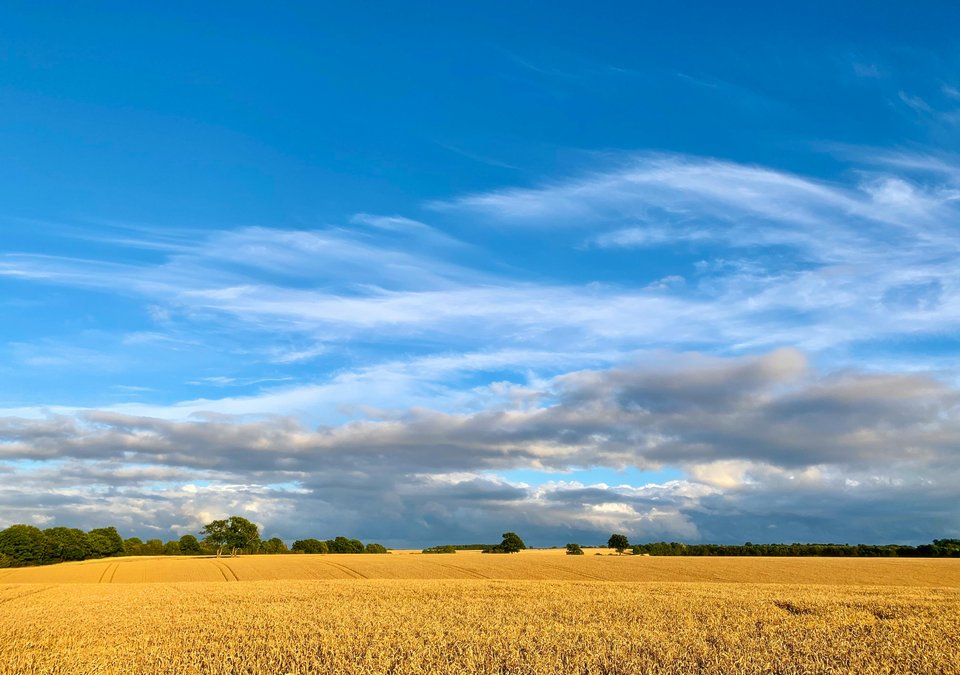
[477, 626]
[527, 566]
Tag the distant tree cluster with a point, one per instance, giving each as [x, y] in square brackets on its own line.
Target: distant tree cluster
[22, 545]
[940, 548]
[335, 545]
[574, 549]
[28, 545]
[511, 543]
[440, 549]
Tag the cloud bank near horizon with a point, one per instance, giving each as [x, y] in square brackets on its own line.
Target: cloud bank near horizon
[768, 447]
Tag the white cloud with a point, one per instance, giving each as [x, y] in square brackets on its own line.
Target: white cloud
[914, 102]
[429, 372]
[741, 429]
[788, 260]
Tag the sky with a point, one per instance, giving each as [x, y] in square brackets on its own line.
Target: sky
[424, 274]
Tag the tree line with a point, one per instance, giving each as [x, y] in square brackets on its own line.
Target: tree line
[22, 545]
[940, 548]
[336, 545]
[25, 545]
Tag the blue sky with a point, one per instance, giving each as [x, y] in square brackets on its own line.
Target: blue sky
[426, 274]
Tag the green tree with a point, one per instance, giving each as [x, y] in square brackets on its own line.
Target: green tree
[67, 543]
[310, 546]
[619, 542]
[216, 534]
[153, 547]
[273, 545]
[512, 543]
[242, 535]
[375, 548]
[172, 547]
[949, 548]
[133, 546]
[344, 545]
[189, 545]
[22, 544]
[574, 549]
[105, 542]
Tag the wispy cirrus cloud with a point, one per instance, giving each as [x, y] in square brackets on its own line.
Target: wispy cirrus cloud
[743, 205]
[787, 260]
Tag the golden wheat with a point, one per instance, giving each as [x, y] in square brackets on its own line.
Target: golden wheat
[439, 616]
[545, 565]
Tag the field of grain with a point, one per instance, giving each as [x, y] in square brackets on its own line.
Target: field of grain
[535, 565]
[535, 612]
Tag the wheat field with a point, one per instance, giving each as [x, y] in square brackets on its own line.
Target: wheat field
[535, 612]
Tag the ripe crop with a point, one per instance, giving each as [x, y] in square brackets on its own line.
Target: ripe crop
[534, 612]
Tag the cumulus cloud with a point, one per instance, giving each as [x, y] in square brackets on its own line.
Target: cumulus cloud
[741, 429]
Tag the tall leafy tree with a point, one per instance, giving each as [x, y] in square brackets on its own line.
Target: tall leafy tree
[189, 545]
[273, 545]
[619, 542]
[512, 543]
[344, 545]
[133, 546]
[242, 535]
[153, 547]
[23, 544]
[310, 546]
[216, 534]
[67, 543]
[105, 542]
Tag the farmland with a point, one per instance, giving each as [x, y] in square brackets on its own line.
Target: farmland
[539, 611]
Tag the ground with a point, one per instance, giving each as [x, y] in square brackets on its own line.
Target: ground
[533, 612]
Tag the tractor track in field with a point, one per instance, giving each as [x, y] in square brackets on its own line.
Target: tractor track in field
[25, 595]
[106, 568]
[472, 573]
[230, 570]
[348, 570]
[109, 572]
[220, 570]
